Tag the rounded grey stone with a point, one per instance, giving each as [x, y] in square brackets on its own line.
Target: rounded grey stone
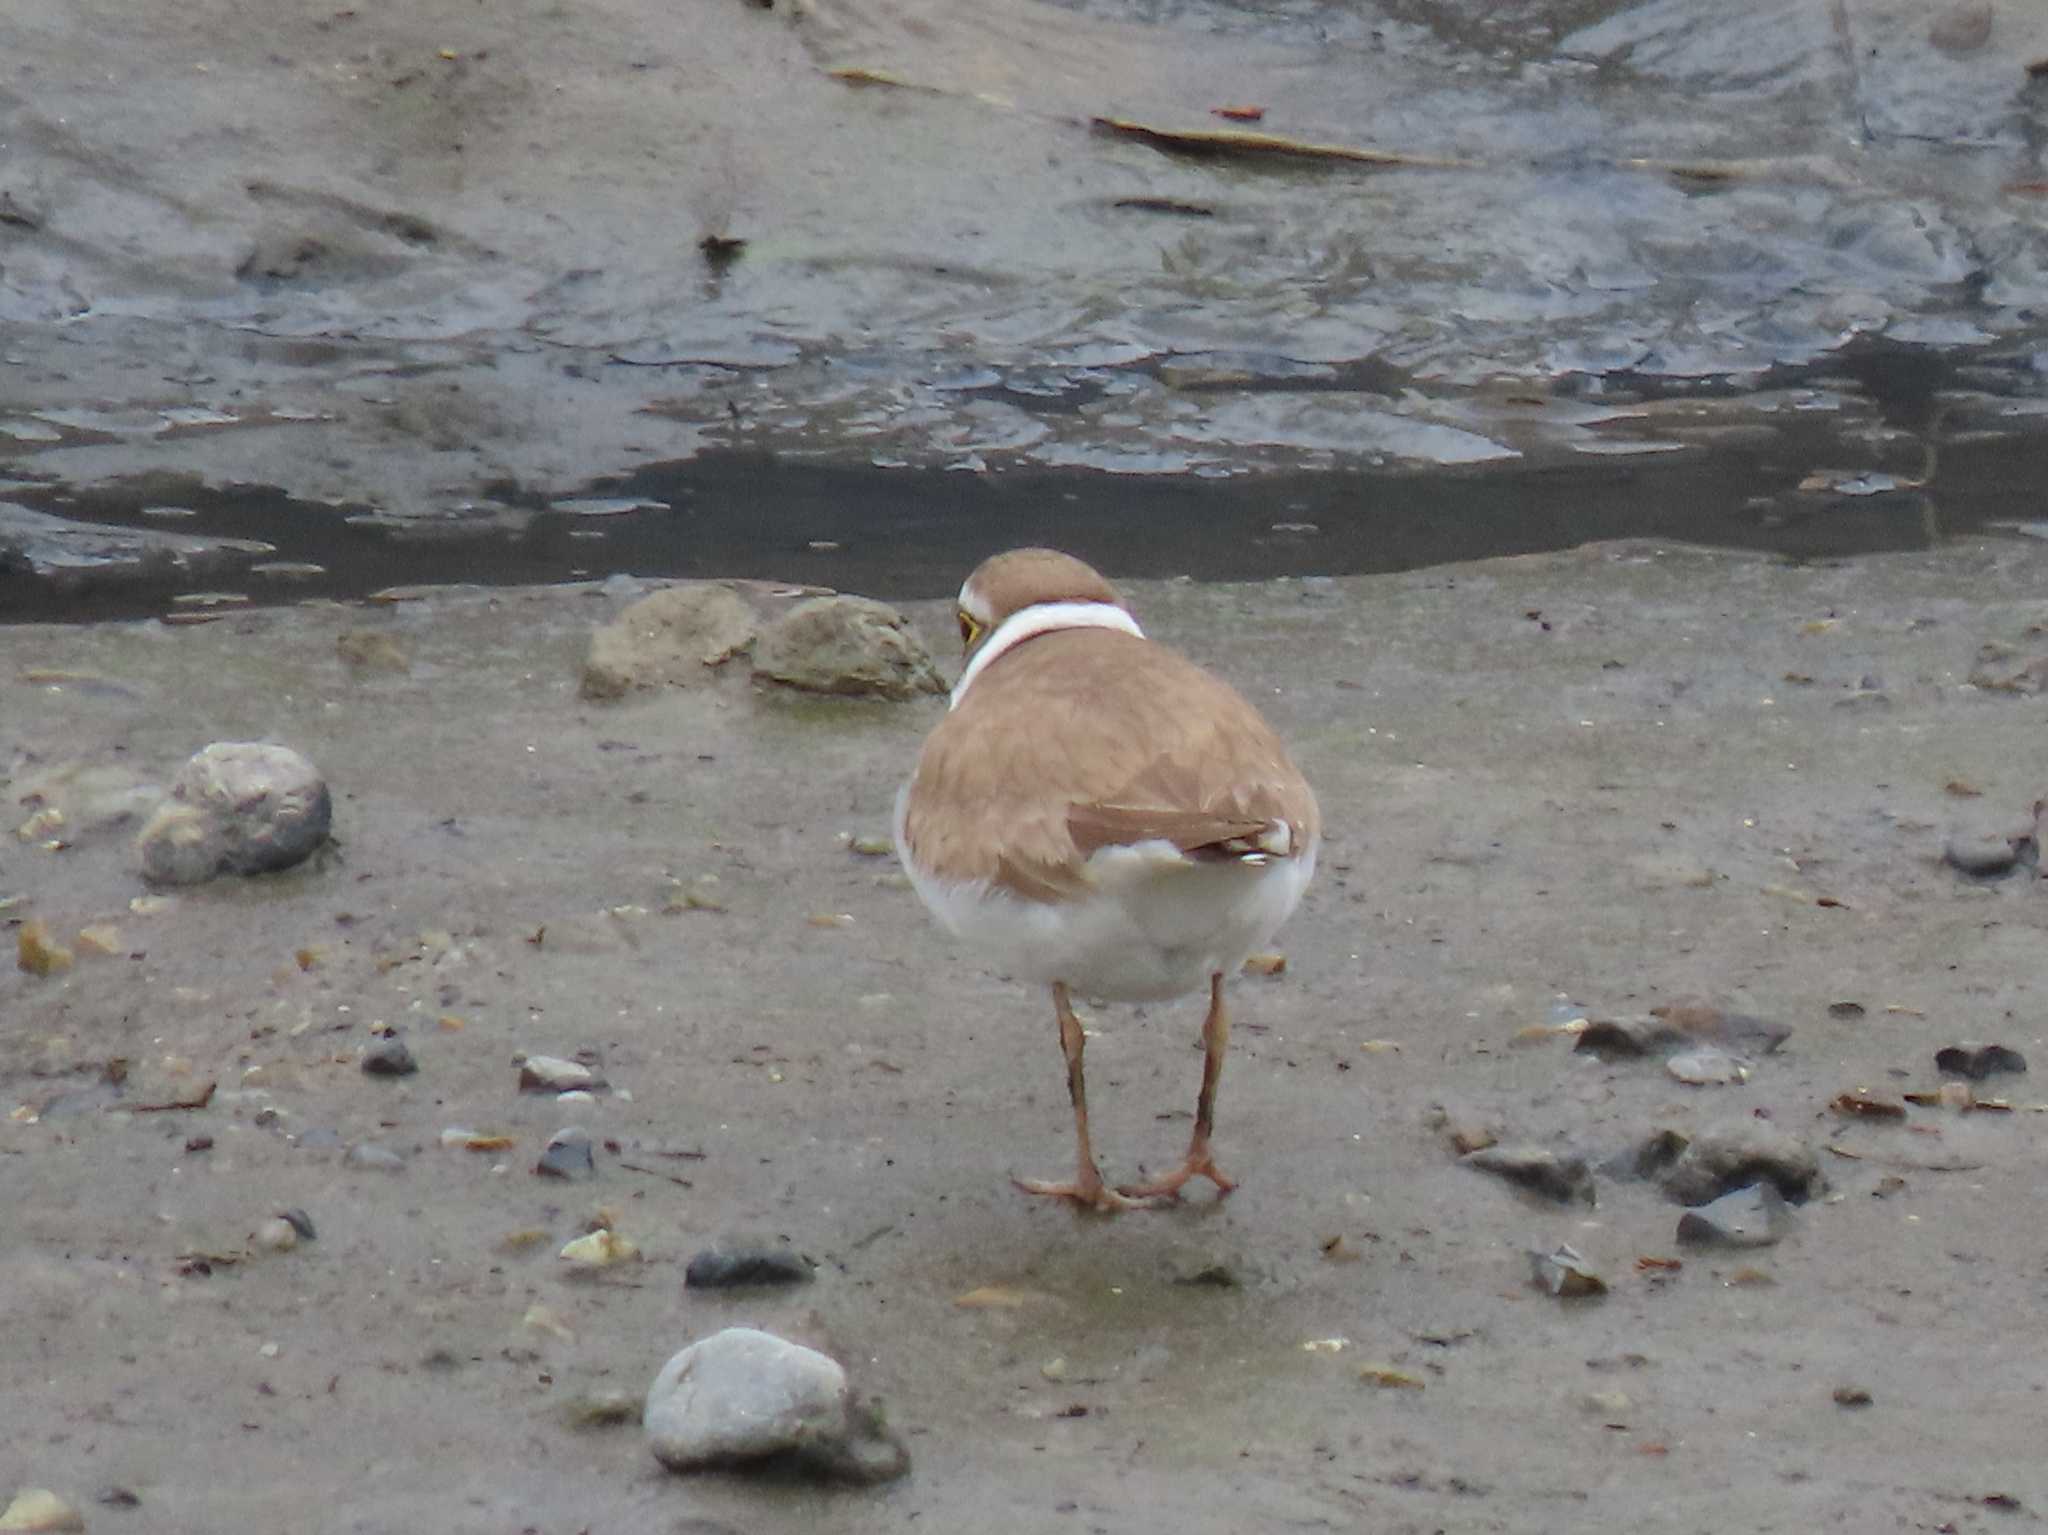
[1981, 856]
[741, 1394]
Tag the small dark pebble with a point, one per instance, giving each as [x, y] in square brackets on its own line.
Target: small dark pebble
[1845, 1010]
[1624, 1040]
[1852, 1396]
[722, 1268]
[199, 1143]
[120, 1497]
[567, 1155]
[301, 1222]
[390, 1058]
[1216, 1276]
[1978, 1061]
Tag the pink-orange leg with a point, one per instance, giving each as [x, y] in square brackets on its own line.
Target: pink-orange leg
[1199, 1162]
[1087, 1190]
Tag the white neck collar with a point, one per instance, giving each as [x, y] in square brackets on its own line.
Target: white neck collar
[1043, 618]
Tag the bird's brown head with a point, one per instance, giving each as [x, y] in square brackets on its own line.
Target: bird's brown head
[1024, 578]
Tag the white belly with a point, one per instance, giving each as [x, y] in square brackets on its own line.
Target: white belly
[1154, 923]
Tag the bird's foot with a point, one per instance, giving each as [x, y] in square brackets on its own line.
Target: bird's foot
[1199, 1164]
[1086, 1194]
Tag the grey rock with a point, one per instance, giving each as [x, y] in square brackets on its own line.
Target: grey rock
[377, 1158]
[567, 1155]
[389, 1057]
[1976, 1062]
[847, 645]
[726, 1267]
[1756, 1216]
[1537, 1169]
[241, 807]
[1982, 856]
[744, 1395]
[1737, 1153]
[673, 638]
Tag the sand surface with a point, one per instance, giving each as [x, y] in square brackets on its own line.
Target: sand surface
[1581, 784]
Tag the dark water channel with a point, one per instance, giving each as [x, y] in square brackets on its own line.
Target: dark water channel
[909, 533]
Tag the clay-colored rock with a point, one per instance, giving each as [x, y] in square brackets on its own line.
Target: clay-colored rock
[672, 638]
[847, 645]
[37, 953]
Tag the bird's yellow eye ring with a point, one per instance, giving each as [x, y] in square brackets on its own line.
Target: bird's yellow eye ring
[971, 629]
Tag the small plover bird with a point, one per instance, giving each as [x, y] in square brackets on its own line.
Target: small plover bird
[1100, 815]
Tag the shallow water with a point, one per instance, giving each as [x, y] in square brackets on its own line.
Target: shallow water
[1887, 451]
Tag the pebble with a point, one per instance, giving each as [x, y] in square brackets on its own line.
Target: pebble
[379, 1158]
[1565, 1274]
[722, 1268]
[389, 1057]
[1649, 1157]
[276, 1235]
[1978, 1061]
[1737, 1153]
[670, 638]
[741, 1395]
[1679, 1027]
[301, 1222]
[371, 650]
[1852, 1396]
[1708, 1066]
[545, 1319]
[1981, 857]
[242, 807]
[847, 645]
[1756, 1216]
[552, 1074]
[567, 1155]
[1536, 1169]
[37, 1508]
[1390, 1377]
[603, 1409]
[1862, 1104]
[37, 953]
[600, 1249]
